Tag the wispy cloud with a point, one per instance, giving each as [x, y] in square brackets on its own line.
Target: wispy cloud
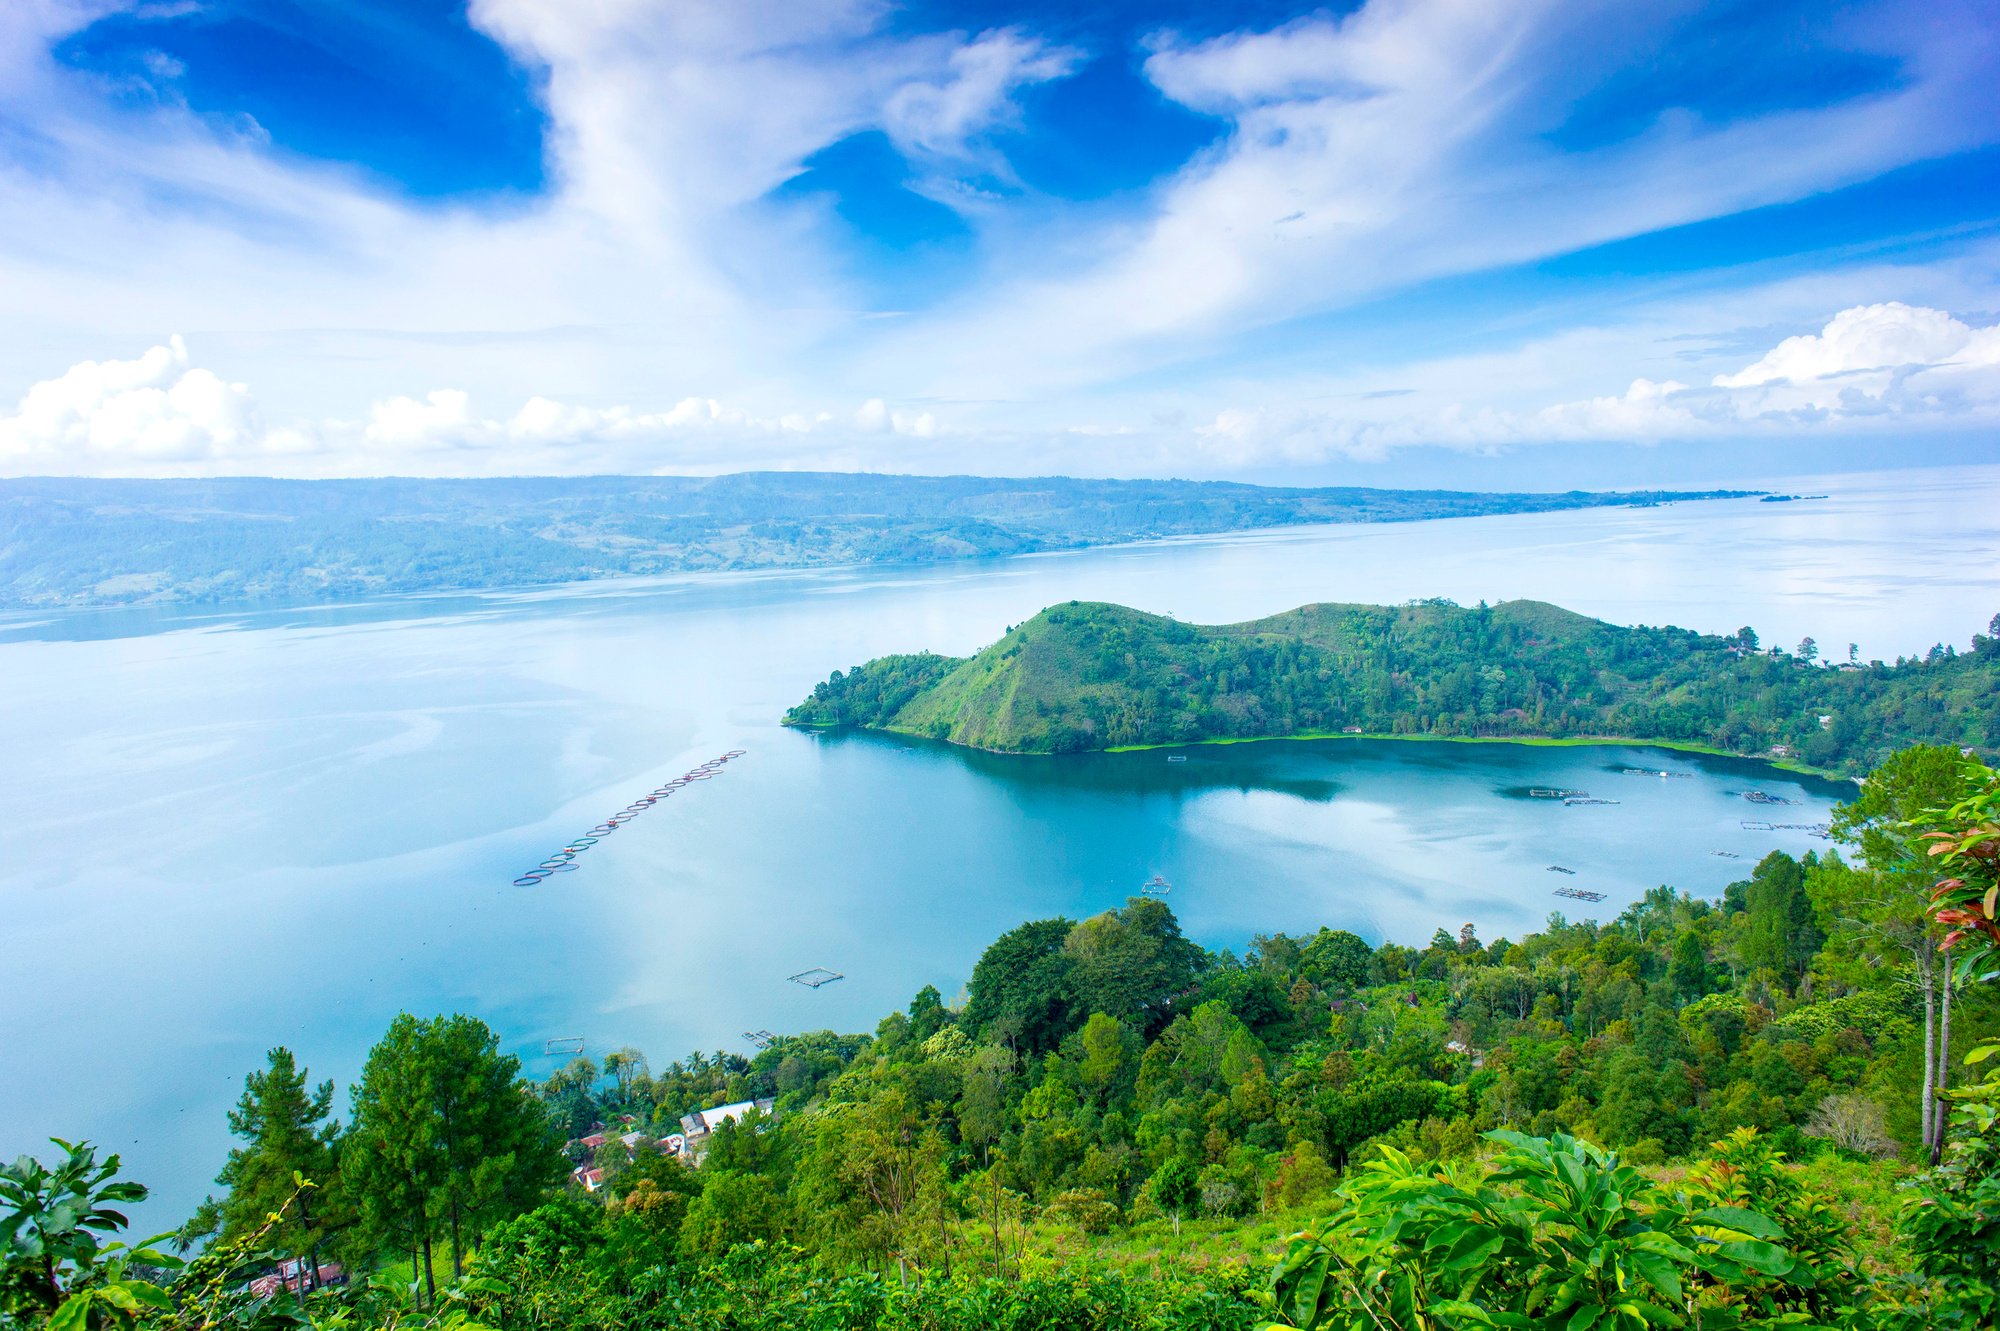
[666, 304]
[1410, 140]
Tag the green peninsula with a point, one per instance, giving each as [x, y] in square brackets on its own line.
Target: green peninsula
[1091, 676]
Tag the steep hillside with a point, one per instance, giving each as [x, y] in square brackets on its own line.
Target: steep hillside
[1088, 676]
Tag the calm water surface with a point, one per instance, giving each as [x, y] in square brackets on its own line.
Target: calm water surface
[230, 829]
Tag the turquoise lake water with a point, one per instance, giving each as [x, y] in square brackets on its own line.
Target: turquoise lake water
[231, 828]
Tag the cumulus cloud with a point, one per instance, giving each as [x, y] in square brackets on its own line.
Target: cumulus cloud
[158, 415]
[1870, 367]
[155, 409]
[1872, 340]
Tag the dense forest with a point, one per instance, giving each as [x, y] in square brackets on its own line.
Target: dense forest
[1086, 676]
[1748, 1111]
[66, 541]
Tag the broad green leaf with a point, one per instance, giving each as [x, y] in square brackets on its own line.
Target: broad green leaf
[1658, 1272]
[1741, 1220]
[1758, 1256]
[1445, 1236]
[74, 1315]
[1473, 1249]
[1664, 1246]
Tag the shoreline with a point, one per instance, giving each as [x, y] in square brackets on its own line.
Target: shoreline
[1536, 741]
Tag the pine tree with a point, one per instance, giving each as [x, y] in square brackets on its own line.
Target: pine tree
[447, 1138]
[289, 1136]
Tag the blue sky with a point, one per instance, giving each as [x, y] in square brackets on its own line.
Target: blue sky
[1404, 240]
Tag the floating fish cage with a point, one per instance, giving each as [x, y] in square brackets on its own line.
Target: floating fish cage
[563, 1044]
[1156, 886]
[1557, 868]
[1579, 894]
[1585, 799]
[564, 860]
[1177, 757]
[814, 978]
[1538, 794]
[761, 1039]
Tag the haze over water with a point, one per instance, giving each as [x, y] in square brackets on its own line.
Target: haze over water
[231, 829]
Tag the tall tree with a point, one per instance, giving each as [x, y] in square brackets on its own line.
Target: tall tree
[1688, 969]
[448, 1139]
[1019, 992]
[394, 1166]
[500, 1149]
[1883, 903]
[287, 1133]
[625, 1066]
[1131, 963]
[1779, 931]
[875, 1182]
[1338, 960]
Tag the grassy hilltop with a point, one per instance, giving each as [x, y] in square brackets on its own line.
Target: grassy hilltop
[1086, 676]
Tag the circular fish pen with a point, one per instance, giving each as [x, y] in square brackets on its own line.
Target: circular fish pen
[564, 860]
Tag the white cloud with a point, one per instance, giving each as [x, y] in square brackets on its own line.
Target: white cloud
[1872, 368]
[1409, 140]
[1363, 154]
[940, 117]
[1872, 340]
[157, 415]
[154, 409]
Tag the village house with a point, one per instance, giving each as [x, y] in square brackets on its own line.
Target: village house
[700, 1125]
[590, 1176]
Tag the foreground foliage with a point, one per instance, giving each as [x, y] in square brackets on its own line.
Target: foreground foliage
[1552, 1232]
[1690, 1116]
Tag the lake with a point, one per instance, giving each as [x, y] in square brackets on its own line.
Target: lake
[237, 827]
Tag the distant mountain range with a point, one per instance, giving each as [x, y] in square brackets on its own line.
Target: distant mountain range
[68, 542]
[1087, 676]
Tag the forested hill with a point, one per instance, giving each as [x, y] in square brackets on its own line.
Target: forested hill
[92, 542]
[1088, 676]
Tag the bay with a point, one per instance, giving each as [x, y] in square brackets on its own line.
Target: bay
[233, 827]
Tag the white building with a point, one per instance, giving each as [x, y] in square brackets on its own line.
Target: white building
[699, 1125]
